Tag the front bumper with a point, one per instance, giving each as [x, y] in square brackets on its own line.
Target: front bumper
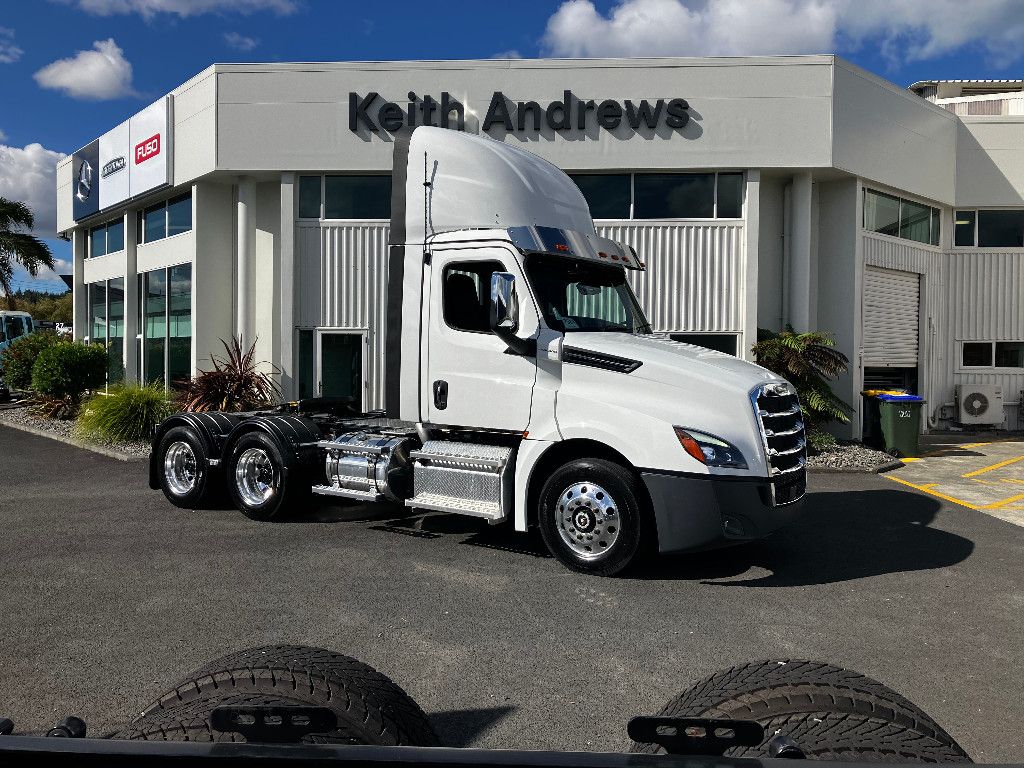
[703, 512]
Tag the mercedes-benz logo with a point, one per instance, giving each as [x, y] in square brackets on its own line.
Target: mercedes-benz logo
[84, 181]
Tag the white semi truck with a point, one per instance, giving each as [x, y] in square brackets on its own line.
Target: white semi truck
[523, 384]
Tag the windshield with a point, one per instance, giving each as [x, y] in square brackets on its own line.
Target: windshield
[578, 295]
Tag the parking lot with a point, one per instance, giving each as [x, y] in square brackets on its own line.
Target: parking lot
[987, 476]
[110, 594]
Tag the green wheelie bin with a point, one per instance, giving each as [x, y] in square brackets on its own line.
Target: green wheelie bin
[900, 421]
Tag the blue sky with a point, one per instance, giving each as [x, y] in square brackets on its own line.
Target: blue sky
[137, 50]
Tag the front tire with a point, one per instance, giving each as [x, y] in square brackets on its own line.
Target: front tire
[257, 477]
[592, 518]
[184, 469]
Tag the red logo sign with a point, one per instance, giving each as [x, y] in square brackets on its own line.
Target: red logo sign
[147, 149]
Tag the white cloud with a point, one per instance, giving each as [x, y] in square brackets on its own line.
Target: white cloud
[102, 73]
[240, 42]
[9, 52]
[29, 175]
[911, 30]
[3, 136]
[183, 8]
[512, 53]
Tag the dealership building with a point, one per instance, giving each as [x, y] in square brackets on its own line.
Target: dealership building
[254, 201]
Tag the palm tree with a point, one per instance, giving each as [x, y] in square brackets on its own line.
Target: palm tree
[17, 246]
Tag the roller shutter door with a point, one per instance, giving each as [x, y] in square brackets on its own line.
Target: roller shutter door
[890, 318]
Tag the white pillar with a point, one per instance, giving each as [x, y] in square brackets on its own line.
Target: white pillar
[752, 231]
[79, 298]
[246, 244]
[286, 285]
[800, 240]
[131, 298]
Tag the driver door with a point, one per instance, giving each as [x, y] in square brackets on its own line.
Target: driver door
[470, 378]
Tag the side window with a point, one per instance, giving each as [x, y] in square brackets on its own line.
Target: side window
[466, 289]
[15, 328]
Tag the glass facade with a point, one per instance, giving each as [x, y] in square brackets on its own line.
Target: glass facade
[662, 195]
[608, 194]
[166, 219]
[106, 323]
[106, 238]
[309, 196]
[155, 332]
[894, 216]
[357, 197]
[179, 324]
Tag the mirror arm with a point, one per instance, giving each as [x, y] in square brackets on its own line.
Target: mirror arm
[516, 345]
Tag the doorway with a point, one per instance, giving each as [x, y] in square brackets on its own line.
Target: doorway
[332, 363]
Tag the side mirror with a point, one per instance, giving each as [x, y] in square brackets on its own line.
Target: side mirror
[505, 314]
[504, 304]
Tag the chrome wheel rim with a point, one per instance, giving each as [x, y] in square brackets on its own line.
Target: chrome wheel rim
[588, 520]
[180, 470]
[255, 478]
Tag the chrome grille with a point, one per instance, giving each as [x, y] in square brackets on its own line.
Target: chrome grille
[777, 408]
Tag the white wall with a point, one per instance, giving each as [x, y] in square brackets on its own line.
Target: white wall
[990, 161]
[267, 278]
[212, 280]
[769, 253]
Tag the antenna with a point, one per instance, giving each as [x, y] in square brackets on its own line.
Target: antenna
[426, 193]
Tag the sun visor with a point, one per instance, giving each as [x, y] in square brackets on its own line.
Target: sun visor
[580, 245]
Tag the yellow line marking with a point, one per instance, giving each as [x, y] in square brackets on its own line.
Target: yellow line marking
[1003, 503]
[989, 468]
[905, 459]
[930, 492]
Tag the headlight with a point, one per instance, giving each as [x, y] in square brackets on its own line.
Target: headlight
[710, 450]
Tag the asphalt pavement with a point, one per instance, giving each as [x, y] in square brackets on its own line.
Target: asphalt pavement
[110, 594]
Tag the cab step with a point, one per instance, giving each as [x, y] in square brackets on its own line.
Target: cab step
[463, 478]
[346, 493]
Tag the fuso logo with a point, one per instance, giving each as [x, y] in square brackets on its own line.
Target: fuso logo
[147, 149]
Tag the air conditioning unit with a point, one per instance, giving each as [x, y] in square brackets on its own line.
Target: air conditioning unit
[979, 403]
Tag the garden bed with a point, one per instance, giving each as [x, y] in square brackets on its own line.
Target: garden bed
[851, 457]
[23, 417]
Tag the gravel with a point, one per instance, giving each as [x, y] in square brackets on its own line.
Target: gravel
[851, 457]
[17, 414]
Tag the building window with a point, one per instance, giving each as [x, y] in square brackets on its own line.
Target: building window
[106, 238]
[897, 217]
[662, 195]
[993, 228]
[179, 324]
[154, 298]
[165, 309]
[359, 198]
[992, 354]
[310, 194]
[608, 195]
[721, 342]
[106, 323]
[165, 219]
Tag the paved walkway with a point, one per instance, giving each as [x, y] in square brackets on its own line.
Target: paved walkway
[986, 476]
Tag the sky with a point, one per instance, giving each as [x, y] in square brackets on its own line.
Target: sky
[72, 69]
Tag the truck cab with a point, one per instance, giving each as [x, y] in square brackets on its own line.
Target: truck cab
[524, 384]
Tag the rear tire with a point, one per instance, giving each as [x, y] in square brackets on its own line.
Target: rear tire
[370, 708]
[591, 517]
[184, 469]
[831, 713]
[257, 477]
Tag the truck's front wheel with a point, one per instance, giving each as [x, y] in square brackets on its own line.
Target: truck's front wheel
[592, 518]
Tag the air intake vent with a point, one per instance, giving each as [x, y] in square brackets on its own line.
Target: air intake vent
[782, 429]
[578, 356]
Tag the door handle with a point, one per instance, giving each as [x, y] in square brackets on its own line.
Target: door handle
[440, 394]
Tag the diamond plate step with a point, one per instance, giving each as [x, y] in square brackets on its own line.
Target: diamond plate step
[434, 501]
[346, 493]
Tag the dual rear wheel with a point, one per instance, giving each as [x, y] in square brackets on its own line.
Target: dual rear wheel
[255, 474]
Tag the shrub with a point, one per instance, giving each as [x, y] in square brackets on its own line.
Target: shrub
[128, 412]
[808, 361]
[821, 441]
[234, 384]
[67, 369]
[16, 361]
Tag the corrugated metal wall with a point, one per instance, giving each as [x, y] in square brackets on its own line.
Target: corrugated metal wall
[692, 282]
[694, 273]
[342, 281]
[970, 295]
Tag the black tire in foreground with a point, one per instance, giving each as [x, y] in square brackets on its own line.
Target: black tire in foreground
[831, 713]
[370, 708]
[183, 469]
[592, 519]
